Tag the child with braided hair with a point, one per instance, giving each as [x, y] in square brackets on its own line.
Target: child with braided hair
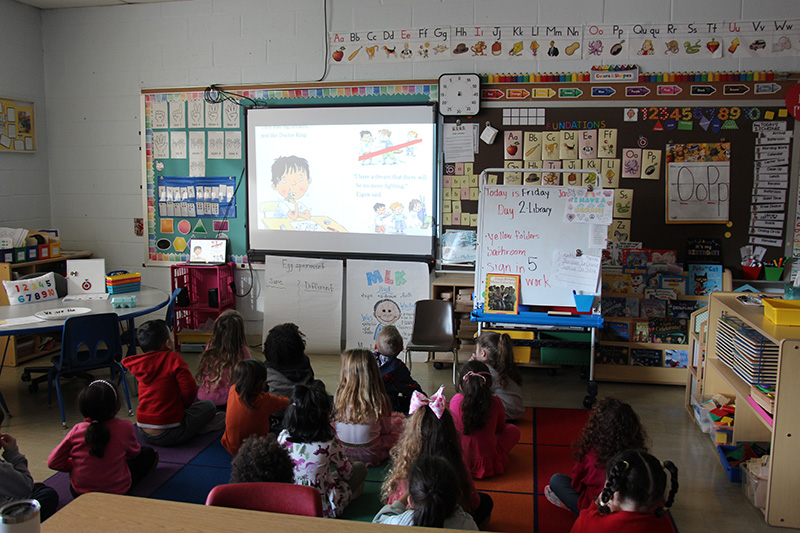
[486, 438]
[632, 500]
[613, 426]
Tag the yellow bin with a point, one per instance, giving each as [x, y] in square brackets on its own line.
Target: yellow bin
[782, 312]
[522, 354]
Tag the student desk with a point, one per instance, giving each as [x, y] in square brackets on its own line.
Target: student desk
[98, 511]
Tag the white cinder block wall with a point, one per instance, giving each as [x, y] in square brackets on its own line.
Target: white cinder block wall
[96, 60]
[24, 180]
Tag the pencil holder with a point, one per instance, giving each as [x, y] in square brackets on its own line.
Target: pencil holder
[751, 272]
[583, 302]
[773, 273]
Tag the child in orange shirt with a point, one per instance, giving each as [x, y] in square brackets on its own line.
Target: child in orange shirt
[249, 407]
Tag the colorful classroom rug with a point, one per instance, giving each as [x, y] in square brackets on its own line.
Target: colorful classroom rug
[188, 473]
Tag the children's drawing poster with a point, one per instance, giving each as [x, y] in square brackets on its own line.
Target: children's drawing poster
[17, 126]
[307, 292]
[380, 293]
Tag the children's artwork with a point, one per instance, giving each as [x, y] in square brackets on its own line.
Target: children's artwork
[309, 293]
[676, 358]
[705, 279]
[502, 294]
[668, 330]
[645, 357]
[616, 330]
[652, 308]
[380, 293]
[608, 354]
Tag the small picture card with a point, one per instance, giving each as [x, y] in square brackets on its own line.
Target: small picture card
[651, 164]
[569, 144]
[551, 149]
[532, 145]
[607, 145]
[587, 144]
[631, 162]
[502, 294]
[513, 144]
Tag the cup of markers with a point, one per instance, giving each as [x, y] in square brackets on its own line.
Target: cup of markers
[773, 270]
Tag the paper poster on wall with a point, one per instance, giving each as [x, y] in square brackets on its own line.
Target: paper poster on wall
[698, 182]
[380, 293]
[307, 292]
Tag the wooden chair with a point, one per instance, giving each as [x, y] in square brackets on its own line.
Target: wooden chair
[283, 498]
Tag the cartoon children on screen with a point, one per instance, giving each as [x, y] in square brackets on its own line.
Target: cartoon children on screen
[291, 178]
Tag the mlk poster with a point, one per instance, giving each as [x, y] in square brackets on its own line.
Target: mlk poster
[380, 293]
[307, 292]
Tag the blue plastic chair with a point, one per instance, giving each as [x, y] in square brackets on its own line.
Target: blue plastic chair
[170, 318]
[81, 351]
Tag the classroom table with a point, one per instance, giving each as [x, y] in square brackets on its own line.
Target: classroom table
[111, 512]
[148, 299]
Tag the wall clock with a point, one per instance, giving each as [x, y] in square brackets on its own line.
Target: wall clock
[459, 94]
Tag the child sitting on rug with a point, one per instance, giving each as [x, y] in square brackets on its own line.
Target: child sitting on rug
[16, 482]
[167, 414]
[227, 347]
[101, 453]
[497, 351]
[287, 362]
[396, 378]
[365, 424]
[613, 426]
[430, 431]
[318, 457]
[432, 499]
[249, 407]
[632, 500]
[262, 459]
[486, 438]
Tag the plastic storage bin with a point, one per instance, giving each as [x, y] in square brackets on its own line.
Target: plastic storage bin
[782, 312]
[755, 478]
[522, 354]
[733, 473]
[565, 356]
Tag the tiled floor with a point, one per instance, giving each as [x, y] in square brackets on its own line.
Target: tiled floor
[706, 501]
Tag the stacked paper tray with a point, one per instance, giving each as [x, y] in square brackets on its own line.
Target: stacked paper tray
[123, 282]
[118, 289]
[746, 352]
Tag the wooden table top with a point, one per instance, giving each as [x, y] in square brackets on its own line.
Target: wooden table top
[97, 511]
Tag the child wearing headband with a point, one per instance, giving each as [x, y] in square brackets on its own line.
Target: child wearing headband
[430, 431]
[101, 453]
[486, 438]
[632, 499]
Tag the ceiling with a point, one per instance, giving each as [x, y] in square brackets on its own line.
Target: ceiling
[61, 4]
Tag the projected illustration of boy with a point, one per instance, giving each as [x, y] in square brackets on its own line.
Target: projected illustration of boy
[419, 214]
[197, 253]
[387, 312]
[412, 135]
[398, 219]
[366, 146]
[291, 178]
[380, 217]
[385, 141]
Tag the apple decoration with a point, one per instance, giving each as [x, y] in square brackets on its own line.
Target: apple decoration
[338, 54]
[712, 45]
[512, 149]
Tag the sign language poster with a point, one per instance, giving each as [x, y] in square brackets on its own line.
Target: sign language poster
[380, 293]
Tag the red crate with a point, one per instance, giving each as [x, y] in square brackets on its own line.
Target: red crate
[198, 281]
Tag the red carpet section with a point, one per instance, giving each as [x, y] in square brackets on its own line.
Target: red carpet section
[544, 449]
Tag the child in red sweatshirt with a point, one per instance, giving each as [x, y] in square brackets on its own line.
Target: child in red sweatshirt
[168, 414]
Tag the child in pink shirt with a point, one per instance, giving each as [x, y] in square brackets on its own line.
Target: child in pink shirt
[101, 453]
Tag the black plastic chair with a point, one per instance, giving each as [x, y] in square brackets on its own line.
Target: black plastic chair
[81, 350]
[433, 331]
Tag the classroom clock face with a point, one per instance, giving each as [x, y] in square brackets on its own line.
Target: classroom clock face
[459, 94]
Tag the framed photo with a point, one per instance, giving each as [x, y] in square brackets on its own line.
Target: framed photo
[502, 294]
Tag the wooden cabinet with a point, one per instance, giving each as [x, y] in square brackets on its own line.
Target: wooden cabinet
[21, 348]
[784, 432]
[698, 339]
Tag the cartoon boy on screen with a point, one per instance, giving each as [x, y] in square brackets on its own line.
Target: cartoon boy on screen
[291, 178]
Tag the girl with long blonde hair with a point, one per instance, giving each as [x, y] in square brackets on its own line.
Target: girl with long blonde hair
[365, 423]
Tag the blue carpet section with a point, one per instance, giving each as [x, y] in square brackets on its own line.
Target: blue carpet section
[214, 455]
[192, 484]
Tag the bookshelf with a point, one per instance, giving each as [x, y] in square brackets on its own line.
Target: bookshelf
[717, 377]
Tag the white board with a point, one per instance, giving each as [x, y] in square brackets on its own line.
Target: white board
[522, 229]
[381, 293]
[698, 191]
[307, 292]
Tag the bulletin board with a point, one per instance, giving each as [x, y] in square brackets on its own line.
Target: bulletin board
[646, 139]
[193, 152]
[17, 125]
